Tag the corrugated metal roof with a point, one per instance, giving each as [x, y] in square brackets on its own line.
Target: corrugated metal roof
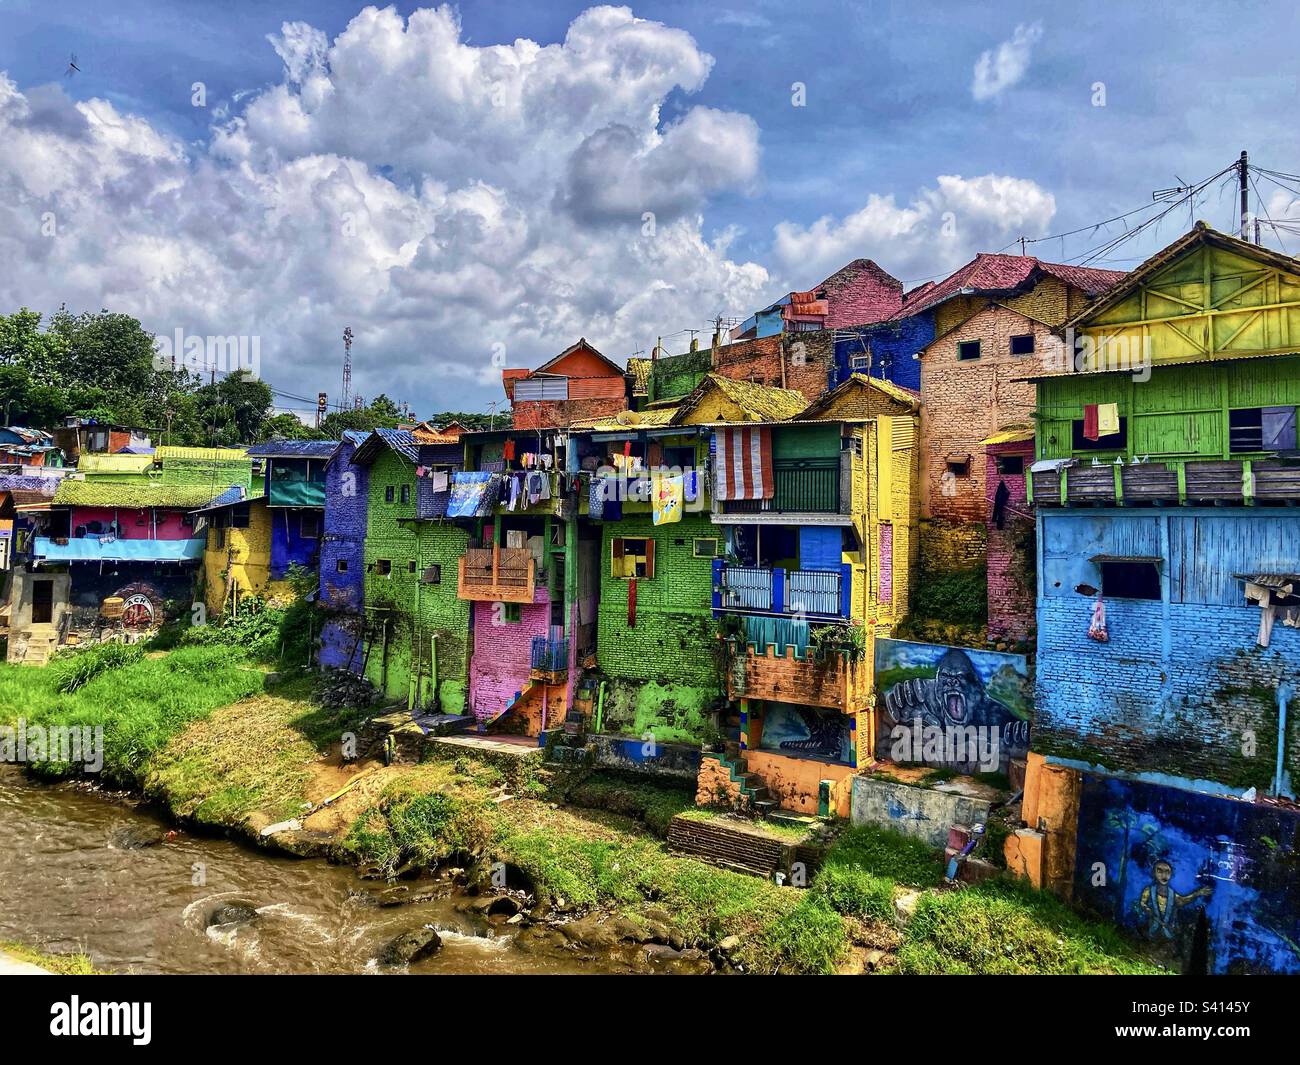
[118, 463]
[201, 454]
[1013, 435]
[294, 449]
[397, 440]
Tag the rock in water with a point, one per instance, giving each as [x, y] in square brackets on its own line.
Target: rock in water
[232, 913]
[130, 837]
[411, 946]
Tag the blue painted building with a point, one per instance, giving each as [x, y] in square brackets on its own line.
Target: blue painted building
[342, 553]
[888, 351]
[295, 477]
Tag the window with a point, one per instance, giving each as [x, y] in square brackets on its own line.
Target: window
[510, 613]
[706, 548]
[860, 362]
[221, 536]
[341, 565]
[389, 493]
[632, 558]
[1010, 465]
[1113, 442]
[1262, 429]
[309, 524]
[1130, 578]
[967, 350]
[383, 566]
[406, 494]
[1022, 344]
[410, 566]
[557, 613]
[239, 516]
[432, 574]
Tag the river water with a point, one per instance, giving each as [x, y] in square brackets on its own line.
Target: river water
[71, 880]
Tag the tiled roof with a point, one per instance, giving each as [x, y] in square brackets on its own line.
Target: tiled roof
[640, 371]
[294, 449]
[201, 454]
[397, 440]
[989, 274]
[146, 494]
[629, 419]
[759, 403]
[118, 463]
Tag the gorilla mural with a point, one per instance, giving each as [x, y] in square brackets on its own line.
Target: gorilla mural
[954, 698]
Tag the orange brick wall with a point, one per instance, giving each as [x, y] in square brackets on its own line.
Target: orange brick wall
[808, 358]
[793, 782]
[714, 786]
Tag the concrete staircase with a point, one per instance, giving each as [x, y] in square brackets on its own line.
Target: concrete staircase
[35, 646]
[754, 793]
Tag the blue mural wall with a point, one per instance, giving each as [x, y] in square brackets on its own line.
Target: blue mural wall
[288, 544]
[893, 347]
[807, 732]
[1212, 884]
[347, 490]
[951, 687]
[1181, 690]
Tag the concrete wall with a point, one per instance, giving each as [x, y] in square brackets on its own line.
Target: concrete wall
[921, 813]
[666, 760]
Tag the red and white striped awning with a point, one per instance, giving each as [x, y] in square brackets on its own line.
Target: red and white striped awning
[744, 463]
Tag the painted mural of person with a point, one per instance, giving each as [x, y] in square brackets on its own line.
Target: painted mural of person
[1160, 903]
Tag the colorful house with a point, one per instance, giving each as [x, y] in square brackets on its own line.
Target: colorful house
[415, 640]
[293, 484]
[579, 383]
[817, 510]
[343, 554]
[1165, 490]
[856, 294]
[993, 320]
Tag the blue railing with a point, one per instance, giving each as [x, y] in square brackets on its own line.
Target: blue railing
[782, 592]
[550, 655]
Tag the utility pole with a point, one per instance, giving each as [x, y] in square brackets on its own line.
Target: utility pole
[1243, 174]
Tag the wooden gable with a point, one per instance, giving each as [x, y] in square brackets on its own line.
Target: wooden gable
[1206, 297]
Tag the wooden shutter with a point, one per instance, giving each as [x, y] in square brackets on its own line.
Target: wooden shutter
[616, 557]
[649, 559]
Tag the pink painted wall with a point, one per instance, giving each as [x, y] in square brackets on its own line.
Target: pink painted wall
[169, 522]
[1010, 561]
[500, 665]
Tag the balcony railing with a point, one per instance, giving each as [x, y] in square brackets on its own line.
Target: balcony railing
[783, 676]
[800, 486]
[498, 575]
[550, 655]
[780, 592]
[1172, 482]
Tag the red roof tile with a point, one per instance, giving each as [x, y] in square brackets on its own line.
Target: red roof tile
[988, 273]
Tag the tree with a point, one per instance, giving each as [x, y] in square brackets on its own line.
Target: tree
[234, 408]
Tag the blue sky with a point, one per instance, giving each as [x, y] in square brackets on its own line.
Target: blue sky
[502, 235]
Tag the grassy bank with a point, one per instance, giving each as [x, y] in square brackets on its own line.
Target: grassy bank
[59, 964]
[198, 730]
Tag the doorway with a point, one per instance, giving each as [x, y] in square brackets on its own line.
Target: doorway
[42, 602]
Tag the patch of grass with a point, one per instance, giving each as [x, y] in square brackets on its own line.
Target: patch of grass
[74, 667]
[141, 706]
[59, 964]
[655, 804]
[1005, 927]
[863, 866]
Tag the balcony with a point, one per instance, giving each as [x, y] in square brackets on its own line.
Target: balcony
[497, 575]
[834, 683]
[800, 486]
[780, 592]
[1185, 482]
[549, 656]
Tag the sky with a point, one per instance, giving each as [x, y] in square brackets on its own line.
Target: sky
[473, 187]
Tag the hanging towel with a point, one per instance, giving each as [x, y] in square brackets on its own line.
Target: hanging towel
[467, 490]
[596, 499]
[1107, 419]
[667, 499]
[744, 465]
[1097, 626]
[441, 481]
[508, 451]
[1090, 422]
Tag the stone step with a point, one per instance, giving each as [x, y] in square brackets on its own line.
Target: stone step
[764, 808]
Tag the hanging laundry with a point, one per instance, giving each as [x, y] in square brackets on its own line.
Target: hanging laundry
[508, 452]
[667, 499]
[1107, 419]
[441, 480]
[1000, 498]
[1097, 626]
[744, 463]
[596, 499]
[1090, 422]
[467, 491]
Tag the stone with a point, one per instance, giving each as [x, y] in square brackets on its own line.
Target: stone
[729, 944]
[410, 947]
[131, 837]
[232, 913]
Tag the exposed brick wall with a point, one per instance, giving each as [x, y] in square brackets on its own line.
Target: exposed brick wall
[347, 489]
[949, 548]
[543, 414]
[1011, 554]
[501, 664]
[714, 786]
[809, 360]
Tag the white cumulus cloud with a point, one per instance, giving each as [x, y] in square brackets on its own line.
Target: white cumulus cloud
[1001, 67]
[441, 198]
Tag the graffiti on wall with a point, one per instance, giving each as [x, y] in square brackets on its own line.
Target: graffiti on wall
[807, 732]
[1211, 883]
[952, 706]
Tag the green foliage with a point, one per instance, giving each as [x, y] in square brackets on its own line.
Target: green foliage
[829, 641]
[655, 804]
[72, 668]
[956, 598]
[1005, 927]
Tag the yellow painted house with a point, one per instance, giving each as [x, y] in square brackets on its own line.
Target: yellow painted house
[237, 558]
[819, 509]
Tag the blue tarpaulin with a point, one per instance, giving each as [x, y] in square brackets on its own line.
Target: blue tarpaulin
[95, 549]
[467, 493]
